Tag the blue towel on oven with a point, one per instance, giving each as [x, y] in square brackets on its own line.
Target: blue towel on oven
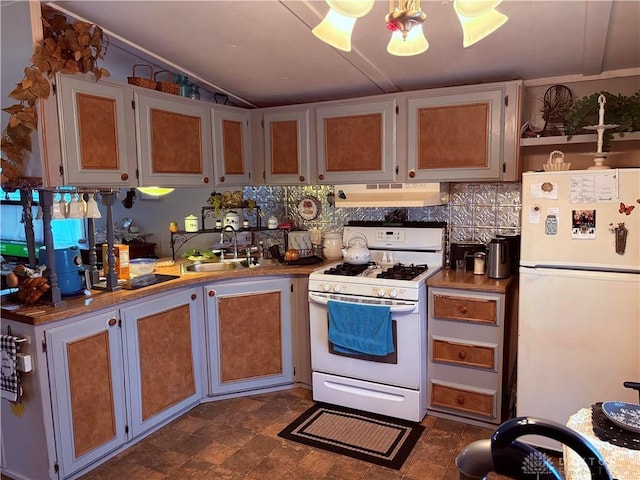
[356, 328]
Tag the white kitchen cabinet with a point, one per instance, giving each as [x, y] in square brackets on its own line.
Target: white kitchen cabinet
[174, 140]
[123, 136]
[286, 147]
[463, 133]
[356, 141]
[161, 339]
[86, 369]
[470, 348]
[97, 133]
[118, 374]
[232, 146]
[249, 334]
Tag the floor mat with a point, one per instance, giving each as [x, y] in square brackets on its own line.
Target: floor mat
[366, 436]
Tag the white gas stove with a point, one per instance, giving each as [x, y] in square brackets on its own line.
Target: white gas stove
[402, 258]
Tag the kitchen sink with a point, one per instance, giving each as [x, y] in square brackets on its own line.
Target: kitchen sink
[212, 267]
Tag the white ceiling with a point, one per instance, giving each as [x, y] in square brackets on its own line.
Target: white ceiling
[263, 53]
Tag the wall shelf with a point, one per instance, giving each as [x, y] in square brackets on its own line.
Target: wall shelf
[575, 139]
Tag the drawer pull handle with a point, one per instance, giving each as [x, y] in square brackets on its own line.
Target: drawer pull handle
[462, 308]
[212, 293]
[193, 296]
[460, 400]
[112, 322]
[462, 355]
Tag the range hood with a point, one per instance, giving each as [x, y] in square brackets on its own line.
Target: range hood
[392, 195]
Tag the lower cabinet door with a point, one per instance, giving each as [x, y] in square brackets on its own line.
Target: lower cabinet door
[162, 345]
[249, 335]
[87, 390]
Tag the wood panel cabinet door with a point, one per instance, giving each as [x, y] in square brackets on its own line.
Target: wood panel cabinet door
[87, 389]
[96, 132]
[174, 141]
[457, 136]
[249, 335]
[356, 142]
[286, 145]
[162, 344]
[232, 146]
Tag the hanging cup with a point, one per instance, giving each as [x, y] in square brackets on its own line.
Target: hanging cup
[76, 208]
[92, 208]
[59, 209]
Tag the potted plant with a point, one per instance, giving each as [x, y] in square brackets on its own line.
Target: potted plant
[620, 110]
[66, 48]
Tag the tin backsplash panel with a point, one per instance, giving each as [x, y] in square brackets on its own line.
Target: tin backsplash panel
[476, 211]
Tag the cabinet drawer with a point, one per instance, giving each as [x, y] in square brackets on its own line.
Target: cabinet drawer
[464, 354]
[466, 309]
[476, 402]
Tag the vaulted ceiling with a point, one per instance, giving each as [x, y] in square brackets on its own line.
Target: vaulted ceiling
[262, 53]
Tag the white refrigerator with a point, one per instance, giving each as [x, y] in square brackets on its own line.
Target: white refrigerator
[579, 302]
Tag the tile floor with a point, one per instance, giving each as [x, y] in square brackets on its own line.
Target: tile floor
[237, 439]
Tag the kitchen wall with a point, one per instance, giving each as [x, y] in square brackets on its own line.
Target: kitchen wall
[476, 211]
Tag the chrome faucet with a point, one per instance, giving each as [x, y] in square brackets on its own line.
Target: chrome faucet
[235, 239]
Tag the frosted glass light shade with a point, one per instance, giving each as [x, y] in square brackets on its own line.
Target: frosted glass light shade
[414, 44]
[351, 8]
[475, 29]
[336, 30]
[155, 191]
[473, 8]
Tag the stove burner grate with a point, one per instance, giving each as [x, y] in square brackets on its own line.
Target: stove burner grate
[403, 272]
[348, 269]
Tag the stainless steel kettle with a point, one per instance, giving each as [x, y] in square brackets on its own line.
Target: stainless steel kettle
[498, 259]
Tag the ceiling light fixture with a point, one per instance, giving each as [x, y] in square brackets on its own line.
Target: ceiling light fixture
[478, 19]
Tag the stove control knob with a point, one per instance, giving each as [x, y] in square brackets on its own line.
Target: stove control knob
[326, 287]
[380, 292]
[393, 293]
[337, 288]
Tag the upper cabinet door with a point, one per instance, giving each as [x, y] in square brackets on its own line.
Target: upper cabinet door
[356, 142]
[232, 146]
[286, 144]
[174, 141]
[97, 133]
[456, 136]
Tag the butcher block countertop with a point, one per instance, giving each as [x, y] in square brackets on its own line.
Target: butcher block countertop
[448, 278]
[96, 299]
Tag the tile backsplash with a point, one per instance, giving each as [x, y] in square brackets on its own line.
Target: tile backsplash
[476, 211]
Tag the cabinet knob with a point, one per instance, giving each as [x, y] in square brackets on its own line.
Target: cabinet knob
[222, 179]
[321, 177]
[462, 355]
[302, 178]
[205, 180]
[462, 308]
[412, 174]
[193, 296]
[112, 322]
[212, 293]
[460, 400]
[124, 177]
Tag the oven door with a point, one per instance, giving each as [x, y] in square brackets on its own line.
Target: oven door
[402, 369]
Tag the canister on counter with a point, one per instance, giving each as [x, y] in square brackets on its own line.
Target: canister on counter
[479, 263]
[191, 223]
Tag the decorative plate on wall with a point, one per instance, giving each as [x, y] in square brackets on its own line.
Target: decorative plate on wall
[309, 207]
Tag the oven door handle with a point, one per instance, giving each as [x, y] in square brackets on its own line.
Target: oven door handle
[323, 300]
